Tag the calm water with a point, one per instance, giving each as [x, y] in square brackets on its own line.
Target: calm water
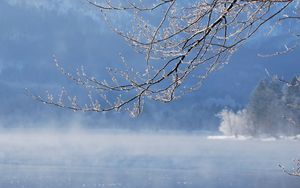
[131, 160]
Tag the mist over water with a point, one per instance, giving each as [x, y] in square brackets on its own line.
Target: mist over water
[82, 158]
[62, 154]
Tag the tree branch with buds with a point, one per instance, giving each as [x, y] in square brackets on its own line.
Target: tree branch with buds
[183, 43]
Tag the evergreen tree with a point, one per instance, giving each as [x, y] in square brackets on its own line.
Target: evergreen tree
[265, 108]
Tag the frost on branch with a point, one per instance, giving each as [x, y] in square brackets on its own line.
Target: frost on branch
[295, 171]
[290, 21]
[182, 41]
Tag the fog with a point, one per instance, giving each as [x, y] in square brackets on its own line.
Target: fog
[105, 158]
[168, 146]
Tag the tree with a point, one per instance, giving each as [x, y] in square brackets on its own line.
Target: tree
[273, 110]
[292, 101]
[264, 103]
[183, 42]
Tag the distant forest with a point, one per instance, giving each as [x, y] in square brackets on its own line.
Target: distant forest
[273, 110]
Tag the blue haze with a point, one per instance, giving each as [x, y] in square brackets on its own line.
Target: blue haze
[32, 31]
[35, 154]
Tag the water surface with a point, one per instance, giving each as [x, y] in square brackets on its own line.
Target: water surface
[117, 159]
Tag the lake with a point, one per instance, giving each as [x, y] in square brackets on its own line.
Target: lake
[91, 159]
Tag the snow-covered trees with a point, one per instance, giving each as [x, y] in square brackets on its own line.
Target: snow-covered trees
[183, 42]
[266, 108]
[234, 124]
[273, 110]
[292, 101]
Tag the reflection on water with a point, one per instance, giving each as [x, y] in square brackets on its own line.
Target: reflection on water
[131, 160]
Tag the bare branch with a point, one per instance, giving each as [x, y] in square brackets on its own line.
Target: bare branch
[183, 43]
[294, 171]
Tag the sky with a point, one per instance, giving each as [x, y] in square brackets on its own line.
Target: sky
[32, 31]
